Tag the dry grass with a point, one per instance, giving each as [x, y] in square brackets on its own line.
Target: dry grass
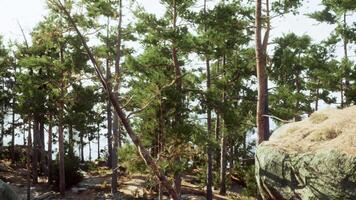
[329, 129]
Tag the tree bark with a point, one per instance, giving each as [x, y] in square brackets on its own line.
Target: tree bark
[223, 143]
[209, 179]
[89, 149]
[98, 141]
[108, 105]
[223, 164]
[217, 138]
[42, 147]
[49, 155]
[13, 132]
[346, 58]
[60, 131]
[179, 103]
[116, 130]
[35, 151]
[71, 140]
[81, 147]
[28, 160]
[2, 126]
[145, 155]
[298, 89]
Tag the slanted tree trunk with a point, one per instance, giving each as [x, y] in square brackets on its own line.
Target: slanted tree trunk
[145, 155]
[261, 55]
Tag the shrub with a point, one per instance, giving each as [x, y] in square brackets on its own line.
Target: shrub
[130, 159]
[250, 179]
[71, 168]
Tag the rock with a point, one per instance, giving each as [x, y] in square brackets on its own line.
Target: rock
[6, 193]
[45, 196]
[78, 189]
[311, 159]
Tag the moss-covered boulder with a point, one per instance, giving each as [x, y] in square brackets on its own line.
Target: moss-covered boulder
[311, 159]
[6, 193]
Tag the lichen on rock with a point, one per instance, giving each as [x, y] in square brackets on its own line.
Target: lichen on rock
[311, 159]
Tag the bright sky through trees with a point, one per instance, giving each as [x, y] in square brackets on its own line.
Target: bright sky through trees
[30, 12]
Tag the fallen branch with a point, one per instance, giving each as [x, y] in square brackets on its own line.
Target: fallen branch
[278, 119]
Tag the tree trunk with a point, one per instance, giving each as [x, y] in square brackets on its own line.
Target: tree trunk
[297, 105]
[116, 130]
[317, 100]
[28, 161]
[223, 164]
[108, 105]
[98, 141]
[160, 140]
[70, 140]
[217, 138]
[346, 58]
[178, 183]
[145, 155]
[13, 123]
[49, 155]
[13, 133]
[2, 126]
[223, 142]
[35, 151]
[89, 149]
[60, 131]
[179, 103]
[81, 148]
[42, 147]
[61, 157]
[209, 179]
[262, 104]
[231, 156]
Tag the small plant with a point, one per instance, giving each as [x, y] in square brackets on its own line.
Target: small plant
[72, 174]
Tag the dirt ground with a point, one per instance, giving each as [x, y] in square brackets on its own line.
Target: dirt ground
[96, 186]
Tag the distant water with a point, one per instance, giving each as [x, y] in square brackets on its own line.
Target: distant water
[19, 140]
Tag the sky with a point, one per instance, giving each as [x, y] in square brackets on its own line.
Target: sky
[29, 12]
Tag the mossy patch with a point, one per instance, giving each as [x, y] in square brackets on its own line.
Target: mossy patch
[324, 134]
[317, 118]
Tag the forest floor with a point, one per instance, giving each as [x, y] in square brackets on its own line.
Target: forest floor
[96, 186]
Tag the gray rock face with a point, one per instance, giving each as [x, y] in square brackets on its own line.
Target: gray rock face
[6, 193]
[311, 159]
